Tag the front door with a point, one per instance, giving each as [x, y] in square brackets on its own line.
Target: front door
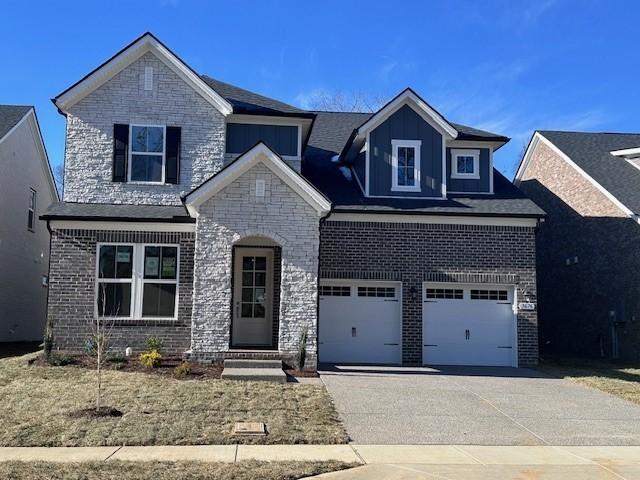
[252, 297]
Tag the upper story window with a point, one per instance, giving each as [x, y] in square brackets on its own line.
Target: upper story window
[405, 165]
[31, 215]
[147, 154]
[465, 164]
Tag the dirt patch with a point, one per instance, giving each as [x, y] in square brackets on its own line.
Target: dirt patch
[93, 413]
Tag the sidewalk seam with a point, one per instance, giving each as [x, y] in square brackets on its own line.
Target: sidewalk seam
[357, 453]
[459, 449]
[235, 454]
[113, 453]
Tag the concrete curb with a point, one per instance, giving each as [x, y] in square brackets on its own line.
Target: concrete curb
[368, 454]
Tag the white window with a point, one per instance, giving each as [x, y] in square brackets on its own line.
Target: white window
[148, 78]
[146, 153]
[444, 293]
[465, 164]
[385, 292]
[405, 165]
[31, 215]
[137, 281]
[334, 291]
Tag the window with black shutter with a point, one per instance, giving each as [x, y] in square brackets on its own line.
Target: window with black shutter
[172, 166]
[120, 152]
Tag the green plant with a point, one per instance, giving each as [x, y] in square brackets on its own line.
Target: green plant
[301, 355]
[150, 359]
[153, 344]
[183, 369]
[91, 347]
[117, 358]
[59, 360]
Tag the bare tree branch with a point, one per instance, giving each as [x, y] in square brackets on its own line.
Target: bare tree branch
[340, 101]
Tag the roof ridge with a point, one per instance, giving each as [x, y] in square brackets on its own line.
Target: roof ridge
[589, 133]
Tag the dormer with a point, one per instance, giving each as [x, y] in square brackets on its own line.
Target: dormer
[409, 150]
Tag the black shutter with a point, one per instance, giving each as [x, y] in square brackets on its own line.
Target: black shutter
[172, 165]
[120, 152]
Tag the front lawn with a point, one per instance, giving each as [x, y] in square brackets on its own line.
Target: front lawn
[166, 470]
[37, 402]
[616, 379]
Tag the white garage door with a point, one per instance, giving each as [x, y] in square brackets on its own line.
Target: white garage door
[359, 322]
[468, 325]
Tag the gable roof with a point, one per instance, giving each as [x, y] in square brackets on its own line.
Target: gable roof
[147, 42]
[337, 181]
[260, 153]
[411, 98]
[13, 115]
[247, 102]
[10, 116]
[591, 152]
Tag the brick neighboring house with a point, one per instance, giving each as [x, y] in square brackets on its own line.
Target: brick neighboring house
[589, 245]
[233, 225]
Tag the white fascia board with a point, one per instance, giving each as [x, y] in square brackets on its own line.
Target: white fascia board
[433, 219]
[259, 153]
[116, 64]
[425, 111]
[526, 159]
[627, 152]
[122, 226]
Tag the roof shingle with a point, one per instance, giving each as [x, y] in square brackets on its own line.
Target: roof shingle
[10, 115]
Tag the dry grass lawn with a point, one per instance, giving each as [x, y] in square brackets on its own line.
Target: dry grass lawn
[114, 470]
[37, 400]
[616, 379]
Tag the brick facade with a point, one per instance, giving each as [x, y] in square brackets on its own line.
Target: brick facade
[588, 256]
[72, 291]
[413, 253]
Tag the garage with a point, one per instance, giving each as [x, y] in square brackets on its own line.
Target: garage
[468, 325]
[360, 322]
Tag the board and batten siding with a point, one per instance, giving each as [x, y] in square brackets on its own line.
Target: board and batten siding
[405, 124]
[471, 185]
[283, 139]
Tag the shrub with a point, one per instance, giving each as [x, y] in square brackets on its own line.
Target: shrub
[183, 369]
[301, 354]
[153, 344]
[59, 360]
[150, 359]
[90, 347]
[117, 358]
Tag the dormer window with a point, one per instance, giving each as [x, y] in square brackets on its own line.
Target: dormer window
[405, 165]
[147, 154]
[465, 164]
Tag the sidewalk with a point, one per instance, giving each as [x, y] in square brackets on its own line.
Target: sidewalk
[364, 454]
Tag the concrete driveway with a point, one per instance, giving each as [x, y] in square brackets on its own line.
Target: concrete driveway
[476, 406]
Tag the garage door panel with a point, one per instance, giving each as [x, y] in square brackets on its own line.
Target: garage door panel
[363, 327]
[468, 325]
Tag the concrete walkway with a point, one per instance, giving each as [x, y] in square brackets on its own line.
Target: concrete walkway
[365, 454]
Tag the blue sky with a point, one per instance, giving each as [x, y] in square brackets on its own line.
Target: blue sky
[508, 66]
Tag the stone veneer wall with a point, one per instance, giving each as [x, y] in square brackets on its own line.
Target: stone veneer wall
[233, 214]
[414, 253]
[72, 291]
[123, 99]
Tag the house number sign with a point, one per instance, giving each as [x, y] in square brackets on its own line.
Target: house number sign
[526, 306]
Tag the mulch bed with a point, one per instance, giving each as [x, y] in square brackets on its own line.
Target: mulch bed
[93, 413]
[166, 368]
[301, 373]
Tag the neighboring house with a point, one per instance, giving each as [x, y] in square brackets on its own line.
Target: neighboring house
[233, 225]
[589, 245]
[27, 189]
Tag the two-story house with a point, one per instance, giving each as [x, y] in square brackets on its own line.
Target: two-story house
[27, 189]
[232, 225]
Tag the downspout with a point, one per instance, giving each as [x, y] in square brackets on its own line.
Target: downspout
[48, 328]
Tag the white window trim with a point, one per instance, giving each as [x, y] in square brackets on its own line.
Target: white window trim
[131, 153]
[455, 153]
[33, 195]
[415, 144]
[137, 281]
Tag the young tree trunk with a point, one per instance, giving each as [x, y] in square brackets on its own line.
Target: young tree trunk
[99, 360]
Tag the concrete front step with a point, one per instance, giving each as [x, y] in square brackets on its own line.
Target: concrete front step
[243, 363]
[255, 374]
